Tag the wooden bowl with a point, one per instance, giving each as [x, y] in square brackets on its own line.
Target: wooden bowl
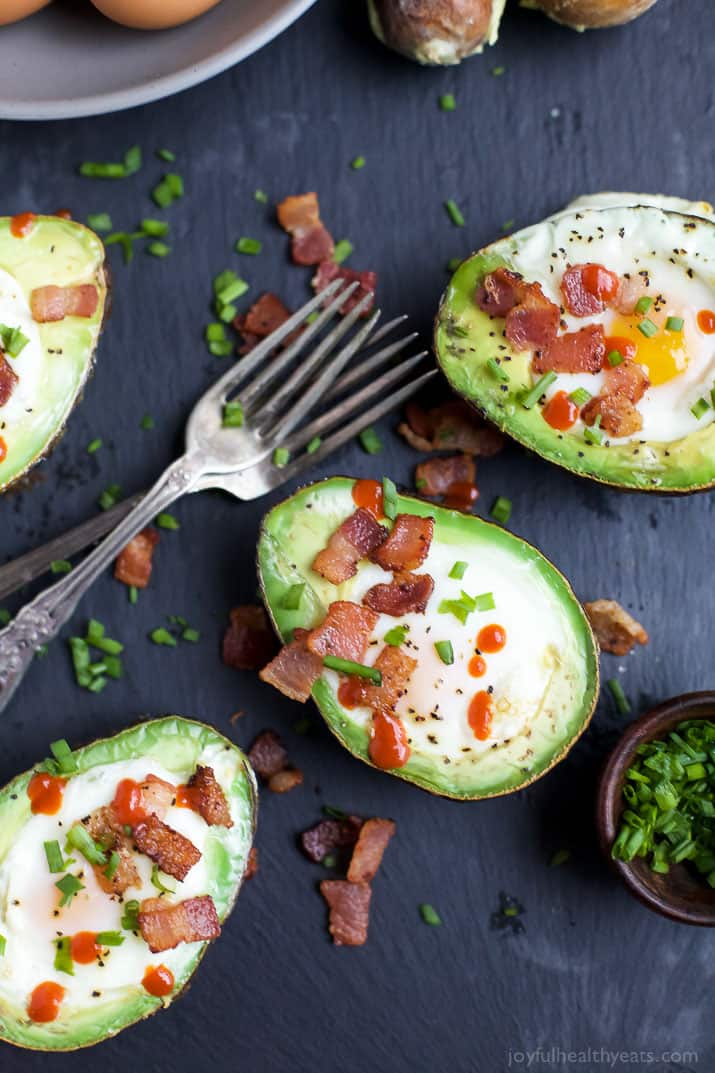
[680, 895]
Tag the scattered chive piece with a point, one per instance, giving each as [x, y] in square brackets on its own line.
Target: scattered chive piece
[498, 71]
[484, 602]
[458, 570]
[113, 666]
[109, 496]
[109, 938]
[674, 324]
[453, 212]
[5, 616]
[348, 666]
[133, 594]
[501, 510]
[13, 341]
[261, 196]
[167, 155]
[313, 446]
[615, 357]
[357, 163]
[342, 251]
[454, 607]
[293, 596]
[158, 249]
[63, 955]
[330, 860]
[214, 333]
[281, 457]
[647, 328]
[447, 102]
[453, 264]
[147, 422]
[232, 415]
[496, 369]
[531, 398]
[132, 159]
[3, 943]
[335, 813]
[170, 189]
[396, 636]
[167, 521]
[55, 860]
[125, 240]
[190, 634]
[560, 857]
[389, 498]
[312, 317]
[699, 408]
[161, 884]
[643, 304]
[370, 441]
[80, 660]
[69, 886]
[96, 637]
[249, 245]
[620, 698]
[221, 349]
[430, 915]
[161, 636]
[60, 566]
[99, 221]
[593, 434]
[445, 651]
[93, 446]
[130, 916]
[155, 228]
[508, 225]
[64, 757]
[580, 396]
[131, 164]
[235, 289]
[79, 838]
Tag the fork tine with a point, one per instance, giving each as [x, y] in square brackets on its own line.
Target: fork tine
[375, 388]
[354, 427]
[354, 376]
[385, 329]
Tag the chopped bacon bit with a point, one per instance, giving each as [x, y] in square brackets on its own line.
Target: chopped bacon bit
[408, 544]
[329, 270]
[419, 420]
[420, 443]
[587, 288]
[164, 926]
[251, 863]
[573, 352]
[629, 379]
[451, 426]
[104, 828]
[616, 631]
[435, 476]
[134, 562]
[629, 293]
[264, 316]
[248, 643]
[55, 303]
[174, 853]
[157, 796]
[8, 379]
[208, 797]
[267, 756]
[358, 536]
[285, 780]
[532, 324]
[349, 905]
[367, 856]
[344, 632]
[300, 211]
[295, 669]
[396, 668]
[619, 416]
[328, 835]
[300, 217]
[406, 593]
[499, 292]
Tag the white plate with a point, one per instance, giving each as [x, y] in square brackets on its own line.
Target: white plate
[68, 60]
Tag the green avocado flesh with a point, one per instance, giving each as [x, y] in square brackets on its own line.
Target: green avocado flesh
[675, 452]
[545, 682]
[171, 748]
[54, 365]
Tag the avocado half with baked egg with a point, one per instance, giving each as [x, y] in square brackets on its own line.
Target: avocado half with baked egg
[590, 339]
[53, 295]
[119, 862]
[436, 645]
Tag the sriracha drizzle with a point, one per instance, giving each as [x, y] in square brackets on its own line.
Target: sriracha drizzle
[368, 495]
[45, 1001]
[22, 224]
[158, 980]
[45, 793]
[388, 746]
[480, 714]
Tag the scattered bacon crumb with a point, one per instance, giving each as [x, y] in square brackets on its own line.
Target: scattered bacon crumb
[615, 629]
[396, 668]
[359, 535]
[233, 719]
[134, 562]
[211, 803]
[451, 426]
[435, 476]
[311, 242]
[285, 780]
[248, 643]
[408, 544]
[267, 756]
[294, 669]
[8, 379]
[328, 835]
[104, 827]
[164, 926]
[329, 271]
[251, 864]
[349, 905]
[619, 417]
[406, 593]
[172, 851]
[265, 315]
[344, 632]
[629, 379]
[55, 303]
[372, 842]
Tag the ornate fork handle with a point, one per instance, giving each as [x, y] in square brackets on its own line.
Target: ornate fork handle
[41, 620]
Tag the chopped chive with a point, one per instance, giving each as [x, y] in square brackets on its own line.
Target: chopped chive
[508, 225]
[370, 441]
[110, 496]
[454, 607]
[458, 570]
[342, 251]
[190, 634]
[167, 521]
[133, 594]
[130, 915]
[93, 446]
[313, 446]
[348, 666]
[55, 860]
[80, 660]
[5, 616]
[674, 324]
[99, 221]
[97, 684]
[158, 249]
[531, 397]
[170, 189]
[221, 350]
[496, 368]
[593, 434]
[109, 938]
[620, 698]
[69, 885]
[79, 838]
[614, 357]
[560, 857]
[396, 636]
[643, 304]
[125, 240]
[249, 245]
[453, 212]
[454, 263]
[484, 602]
[232, 415]
[113, 666]
[155, 228]
[214, 333]
[389, 498]
[330, 860]
[60, 566]
[161, 884]
[281, 457]
[161, 636]
[261, 196]
[501, 510]
[131, 164]
[12, 340]
[227, 313]
[147, 422]
[65, 758]
[63, 955]
[445, 651]
[292, 597]
[335, 813]
[96, 637]
[580, 396]
[357, 163]
[112, 864]
[699, 408]
[447, 102]
[132, 160]
[3, 943]
[167, 155]
[647, 328]
[430, 915]
[498, 71]
[231, 291]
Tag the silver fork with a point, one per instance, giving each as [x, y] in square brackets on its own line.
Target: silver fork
[276, 397]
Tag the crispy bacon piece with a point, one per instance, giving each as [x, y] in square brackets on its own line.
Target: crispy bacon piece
[435, 476]
[164, 926]
[55, 303]
[619, 417]
[267, 756]
[629, 379]
[359, 535]
[174, 853]
[134, 562]
[631, 289]
[349, 905]
[105, 829]
[294, 669]
[8, 379]
[372, 842]
[578, 299]
[534, 322]
[251, 863]
[300, 217]
[408, 544]
[328, 835]
[499, 292]
[248, 643]
[573, 352]
[451, 426]
[208, 797]
[405, 593]
[157, 795]
[396, 668]
[329, 270]
[344, 632]
[265, 315]
[285, 780]
[616, 631]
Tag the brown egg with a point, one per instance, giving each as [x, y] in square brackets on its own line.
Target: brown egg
[152, 14]
[590, 14]
[14, 10]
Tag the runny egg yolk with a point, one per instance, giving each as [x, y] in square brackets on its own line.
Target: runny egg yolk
[663, 354]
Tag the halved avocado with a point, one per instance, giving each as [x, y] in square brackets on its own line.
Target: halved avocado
[545, 689]
[53, 366]
[172, 746]
[467, 341]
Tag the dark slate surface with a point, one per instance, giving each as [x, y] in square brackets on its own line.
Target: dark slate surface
[592, 967]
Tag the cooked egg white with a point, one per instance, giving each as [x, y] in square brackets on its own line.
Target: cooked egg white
[28, 365]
